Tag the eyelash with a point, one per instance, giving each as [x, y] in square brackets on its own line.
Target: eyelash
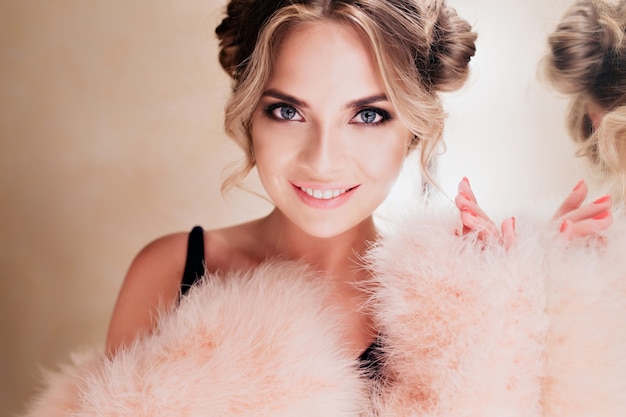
[384, 115]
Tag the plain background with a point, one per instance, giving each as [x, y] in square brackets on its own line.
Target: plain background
[111, 133]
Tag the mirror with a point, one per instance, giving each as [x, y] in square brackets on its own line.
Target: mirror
[514, 142]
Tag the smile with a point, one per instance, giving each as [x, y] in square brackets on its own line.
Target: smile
[323, 194]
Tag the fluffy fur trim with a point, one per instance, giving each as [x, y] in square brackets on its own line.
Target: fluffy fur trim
[64, 386]
[463, 321]
[256, 344]
[468, 329]
[586, 345]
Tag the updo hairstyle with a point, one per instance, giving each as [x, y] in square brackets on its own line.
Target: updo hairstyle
[421, 47]
[587, 60]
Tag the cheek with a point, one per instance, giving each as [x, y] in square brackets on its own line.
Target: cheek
[263, 140]
[384, 159]
[257, 133]
[273, 147]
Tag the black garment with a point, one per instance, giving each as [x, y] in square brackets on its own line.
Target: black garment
[195, 268]
[370, 359]
[194, 265]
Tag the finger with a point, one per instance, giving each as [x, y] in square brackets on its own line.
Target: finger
[465, 188]
[484, 228]
[467, 198]
[566, 228]
[509, 234]
[601, 205]
[463, 201]
[587, 227]
[573, 201]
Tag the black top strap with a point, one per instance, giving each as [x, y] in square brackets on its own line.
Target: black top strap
[194, 265]
[370, 360]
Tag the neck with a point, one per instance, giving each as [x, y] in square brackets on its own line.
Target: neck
[327, 254]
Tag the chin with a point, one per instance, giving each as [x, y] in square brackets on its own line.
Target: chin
[327, 230]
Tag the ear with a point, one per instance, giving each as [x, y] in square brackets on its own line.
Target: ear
[595, 113]
[413, 142]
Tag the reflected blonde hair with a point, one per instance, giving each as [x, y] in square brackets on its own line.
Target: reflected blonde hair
[420, 48]
[587, 60]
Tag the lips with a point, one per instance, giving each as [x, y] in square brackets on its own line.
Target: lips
[325, 197]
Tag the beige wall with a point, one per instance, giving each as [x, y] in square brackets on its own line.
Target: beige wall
[111, 129]
[111, 135]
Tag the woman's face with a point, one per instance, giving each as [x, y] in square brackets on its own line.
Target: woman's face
[327, 142]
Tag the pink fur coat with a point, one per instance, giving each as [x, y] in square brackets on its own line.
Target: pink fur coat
[468, 329]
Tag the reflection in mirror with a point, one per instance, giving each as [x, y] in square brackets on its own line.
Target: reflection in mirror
[587, 62]
[505, 130]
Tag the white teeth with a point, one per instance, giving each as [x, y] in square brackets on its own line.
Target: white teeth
[323, 194]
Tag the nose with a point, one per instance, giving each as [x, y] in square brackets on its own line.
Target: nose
[325, 151]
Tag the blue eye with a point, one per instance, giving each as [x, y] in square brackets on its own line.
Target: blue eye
[288, 113]
[283, 112]
[371, 116]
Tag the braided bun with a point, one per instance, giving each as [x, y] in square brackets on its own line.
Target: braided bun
[587, 60]
[239, 30]
[452, 47]
[584, 48]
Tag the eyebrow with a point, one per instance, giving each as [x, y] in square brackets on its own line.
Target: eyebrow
[302, 104]
[367, 101]
[284, 97]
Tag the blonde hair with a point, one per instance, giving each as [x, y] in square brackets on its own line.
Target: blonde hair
[420, 47]
[587, 60]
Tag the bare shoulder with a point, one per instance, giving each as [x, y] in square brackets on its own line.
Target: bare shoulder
[153, 280]
[151, 283]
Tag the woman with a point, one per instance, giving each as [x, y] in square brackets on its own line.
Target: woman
[587, 61]
[328, 134]
[328, 125]
[306, 311]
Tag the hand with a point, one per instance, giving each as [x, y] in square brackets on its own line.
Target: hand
[475, 219]
[577, 220]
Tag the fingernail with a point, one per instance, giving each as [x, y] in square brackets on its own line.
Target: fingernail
[580, 184]
[604, 199]
[466, 180]
[564, 226]
[601, 216]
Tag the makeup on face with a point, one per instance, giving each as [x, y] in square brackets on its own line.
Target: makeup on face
[327, 142]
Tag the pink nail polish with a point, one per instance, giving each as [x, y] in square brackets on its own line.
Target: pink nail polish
[601, 216]
[601, 200]
[466, 180]
[579, 185]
